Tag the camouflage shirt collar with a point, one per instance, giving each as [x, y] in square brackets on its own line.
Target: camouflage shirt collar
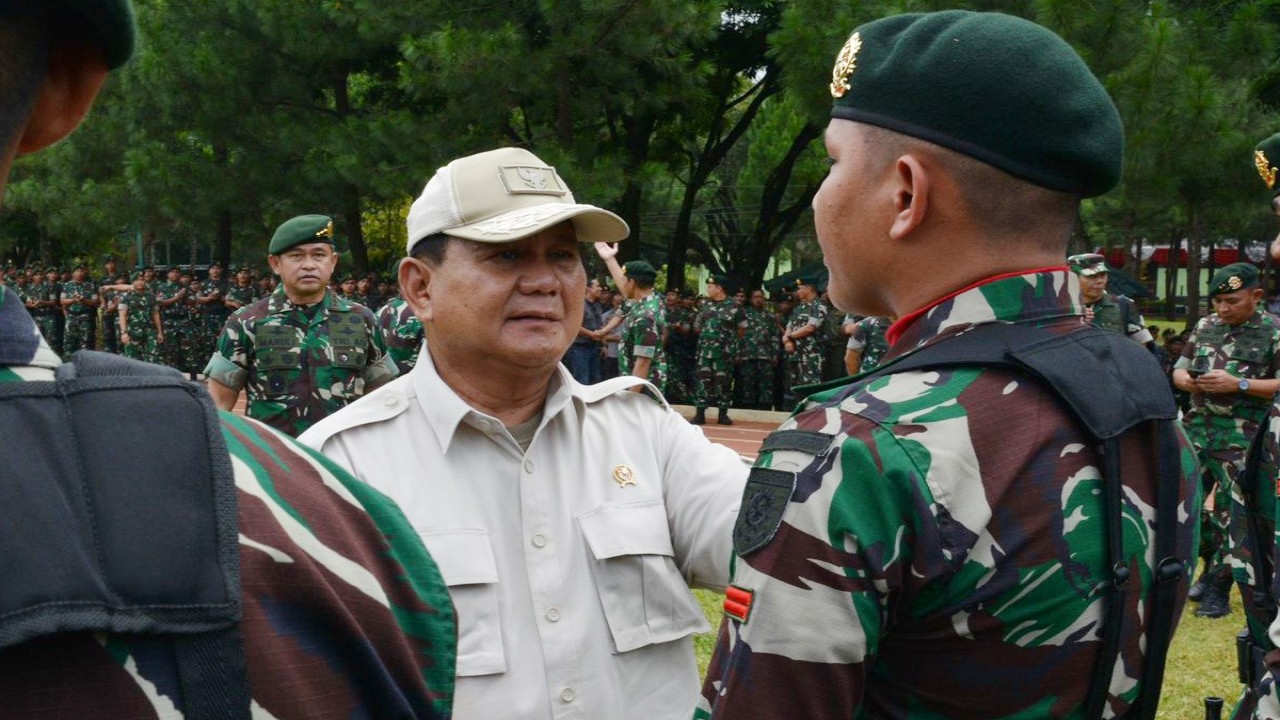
[280, 302]
[21, 346]
[1030, 296]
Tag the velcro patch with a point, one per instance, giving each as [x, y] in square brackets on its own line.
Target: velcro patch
[764, 500]
[808, 442]
[737, 602]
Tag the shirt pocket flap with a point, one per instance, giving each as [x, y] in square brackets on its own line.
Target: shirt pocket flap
[465, 557]
[631, 529]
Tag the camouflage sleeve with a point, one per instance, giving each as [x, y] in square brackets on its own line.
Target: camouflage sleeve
[1267, 692]
[858, 340]
[380, 368]
[230, 361]
[1189, 349]
[647, 335]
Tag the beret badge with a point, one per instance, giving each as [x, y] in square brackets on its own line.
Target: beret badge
[326, 231]
[846, 61]
[1235, 283]
[1267, 172]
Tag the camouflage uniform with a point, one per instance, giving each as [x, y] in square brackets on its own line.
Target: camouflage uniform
[111, 318]
[297, 364]
[681, 346]
[942, 528]
[175, 318]
[48, 318]
[80, 317]
[642, 336]
[717, 326]
[868, 339]
[760, 345]
[804, 365]
[143, 343]
[344, 612]
[246, 295]
[1119, 313]
[402, 332]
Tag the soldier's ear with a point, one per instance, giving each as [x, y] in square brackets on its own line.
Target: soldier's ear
[75, 75]
[415, 277]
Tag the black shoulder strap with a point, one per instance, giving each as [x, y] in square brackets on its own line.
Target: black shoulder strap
[1111, 384]
[120, 514]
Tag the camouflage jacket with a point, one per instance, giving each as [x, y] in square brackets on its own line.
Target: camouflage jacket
[809, 313]
[174, 313]
[1247, 350]
[344, 612]
[402, 332]
[297, 364]
[931, 544]
[44, 292]
[868, 338]
[763, 337]
[138, 308]
[246, 295]
[643, 335]
[717, 325]
[1119, 313]
[83, 289]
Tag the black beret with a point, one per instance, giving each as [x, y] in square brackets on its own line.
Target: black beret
[995, 87]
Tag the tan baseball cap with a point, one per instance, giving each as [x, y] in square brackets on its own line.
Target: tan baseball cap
[504, 195]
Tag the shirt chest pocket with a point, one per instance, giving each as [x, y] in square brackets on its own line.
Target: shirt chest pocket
[465, 558]
[645, 598]
[278, 348]
[1251, 351]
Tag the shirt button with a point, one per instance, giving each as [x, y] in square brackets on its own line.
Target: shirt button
[483, 425]
[553, 614]
[391, 401]
[539, 541]
[528, 466]
[567, 695]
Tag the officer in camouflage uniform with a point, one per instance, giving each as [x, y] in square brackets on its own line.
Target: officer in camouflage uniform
[682, 346]
[803, 339]
[644, 329]
[760, 346]
[79, 299]
[44, 302]
[175, 317]
[720, 325]
[242, 294]
[1229, 365]
[301, 353]
[1104, 309]
[338, 610]
[213, 309]
[141, 332]
[402, 332]
[933, 543]
[867, 344]
[107, 301]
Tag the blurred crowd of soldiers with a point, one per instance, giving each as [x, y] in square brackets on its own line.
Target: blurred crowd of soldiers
[173, 315]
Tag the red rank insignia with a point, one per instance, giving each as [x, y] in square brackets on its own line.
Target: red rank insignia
[737, 602]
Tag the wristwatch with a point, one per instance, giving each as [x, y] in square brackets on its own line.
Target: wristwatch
[1243, 385]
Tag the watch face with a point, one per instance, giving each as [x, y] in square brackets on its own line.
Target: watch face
[1244, 385]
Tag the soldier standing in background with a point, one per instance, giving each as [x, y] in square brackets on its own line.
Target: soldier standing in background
[1229, 366]
[760, 348]
[867, 344]
[682, 343]
[302, 352]
[45, 305]
[719, 325]
[1104, 309]
[802, 341]
[213, 310]
[141, 333]
[171, 298]
[80, 305]
[242, 294]
[641, 350]
[402, 332]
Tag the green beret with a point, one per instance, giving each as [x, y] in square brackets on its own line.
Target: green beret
[1088, 264]
[640, 270]
[109, 24]
[1266, 158]
[718, 279]
[1236, 276]
[302, 229]
[995, 87]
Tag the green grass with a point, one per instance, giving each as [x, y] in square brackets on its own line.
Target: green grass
[1202, 658]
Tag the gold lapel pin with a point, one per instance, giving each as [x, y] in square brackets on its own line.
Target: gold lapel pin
[624, 476]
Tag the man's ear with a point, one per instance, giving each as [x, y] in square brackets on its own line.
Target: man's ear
[910, 196]
[415, 287]
[274, 262]
[75, 75]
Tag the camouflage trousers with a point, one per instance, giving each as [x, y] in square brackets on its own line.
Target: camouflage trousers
[803, 368]
[755, 385]
[79, 333]
[715, 378]
[142, 347]
[110, 335]
[1221, 531]
[681, 383]
[51, 328]
[177, 351]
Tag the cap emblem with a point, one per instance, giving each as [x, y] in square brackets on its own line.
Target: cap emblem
[326, 231]
[846, 61]
[531, 180]
[1267, 172]
[1234, 282]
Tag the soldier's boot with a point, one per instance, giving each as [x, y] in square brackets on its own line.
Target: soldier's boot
[1197, 589]
[1215, 602]
[699, 416]
[724, 417]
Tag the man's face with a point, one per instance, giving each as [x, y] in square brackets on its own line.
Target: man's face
[518, 304]
[305, 270]
[243, 277]
[173, 276]
[593, 290]
[757, 299]
[740, 297]
[1236, 307]
[1093, 287]
[348, 287]
[715, 291]
[51, 276]
[77, 275]
[673, 298]
[846, 216]
[215, 272]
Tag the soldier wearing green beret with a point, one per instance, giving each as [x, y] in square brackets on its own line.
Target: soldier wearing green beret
[1104, 309]
[303, 352]
[720, 325]
[642, 349]
[802, 341]
[79, 299]
[45, 305]
[938, 540]
[1229, 366]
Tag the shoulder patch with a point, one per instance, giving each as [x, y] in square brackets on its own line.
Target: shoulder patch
[764, 500]
[809, 442]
